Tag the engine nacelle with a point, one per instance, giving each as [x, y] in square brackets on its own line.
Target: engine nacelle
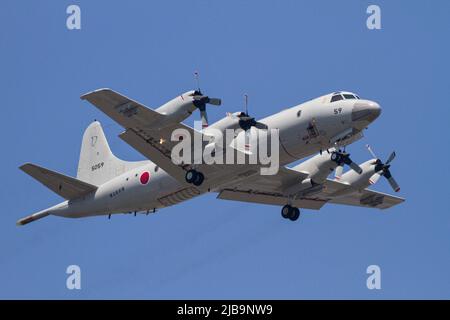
[178, 109]
[363, 180]
[318, 167]
[229, 122]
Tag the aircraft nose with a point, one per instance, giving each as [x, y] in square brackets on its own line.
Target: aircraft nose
[365, 111]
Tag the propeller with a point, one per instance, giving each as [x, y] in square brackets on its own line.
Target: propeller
[383, 169]
[246, 121]
[200, 101]
[341, 158]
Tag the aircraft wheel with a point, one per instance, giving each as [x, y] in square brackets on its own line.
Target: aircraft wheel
[198, 179]
[286, 211]
[295, 214]
[191, 176]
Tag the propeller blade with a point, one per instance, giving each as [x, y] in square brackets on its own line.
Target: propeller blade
[352, 164]
[374, 179]
[371, 151]
[387, 174]
[355, 167]
[394, 184]
[260, 125]
[215, 101]
[204, 117]
[391, 157]
[338, 172]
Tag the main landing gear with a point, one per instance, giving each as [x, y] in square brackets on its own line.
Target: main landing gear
[289, 212]
[194, 177]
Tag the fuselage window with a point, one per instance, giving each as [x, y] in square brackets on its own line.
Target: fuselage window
[156, 168]
[336, 98]
[299, 113]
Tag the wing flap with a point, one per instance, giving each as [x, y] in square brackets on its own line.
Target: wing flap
[340, 193]
[277, 183]
[369, 199]
[266, 198]
[67, 187]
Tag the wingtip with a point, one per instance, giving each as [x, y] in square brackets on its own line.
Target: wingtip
[86, 95]
[25, 165]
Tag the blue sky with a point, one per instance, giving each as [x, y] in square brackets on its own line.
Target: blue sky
[278, 52]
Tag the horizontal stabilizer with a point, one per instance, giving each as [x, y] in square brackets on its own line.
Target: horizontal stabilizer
[67, 187]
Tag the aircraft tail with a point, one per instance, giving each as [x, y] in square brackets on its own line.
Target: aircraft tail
[43, 213]
[97, 163]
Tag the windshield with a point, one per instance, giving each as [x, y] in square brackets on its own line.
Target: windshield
[343, 95]
[336, 97]
[349, 96]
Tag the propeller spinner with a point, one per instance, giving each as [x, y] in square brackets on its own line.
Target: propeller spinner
[200, 102]
[246, 121]
[341, 158]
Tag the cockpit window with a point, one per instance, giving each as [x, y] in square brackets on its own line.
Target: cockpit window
[336, 97]
[349, 96]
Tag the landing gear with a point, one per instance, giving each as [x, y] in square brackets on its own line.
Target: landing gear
[289, 212]
[199, 179]
[190, 176]
[194, 177]
[285, 211]
[295, 214]
[336, 157]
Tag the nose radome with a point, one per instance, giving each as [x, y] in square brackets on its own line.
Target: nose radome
[374, 108]
[365, 111]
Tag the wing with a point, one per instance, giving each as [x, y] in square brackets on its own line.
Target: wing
[144, 132]
[275, 189]
[340, 193]
[270, 189]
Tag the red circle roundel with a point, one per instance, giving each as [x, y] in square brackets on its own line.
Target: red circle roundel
[145, 177]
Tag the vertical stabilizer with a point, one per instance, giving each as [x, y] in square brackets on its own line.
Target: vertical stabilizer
[97, 163]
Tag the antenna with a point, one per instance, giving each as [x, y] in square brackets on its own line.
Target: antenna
[246, 103]
[196, 75]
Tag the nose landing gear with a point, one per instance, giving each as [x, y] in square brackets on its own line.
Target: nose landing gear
[289, 212]
[194, 177]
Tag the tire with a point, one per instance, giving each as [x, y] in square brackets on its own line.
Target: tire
[191, 176]
[199, 179]
[286, 211]
[334, 156]
[295, 214]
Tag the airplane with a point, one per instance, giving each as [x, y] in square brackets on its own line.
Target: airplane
[107, 185]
